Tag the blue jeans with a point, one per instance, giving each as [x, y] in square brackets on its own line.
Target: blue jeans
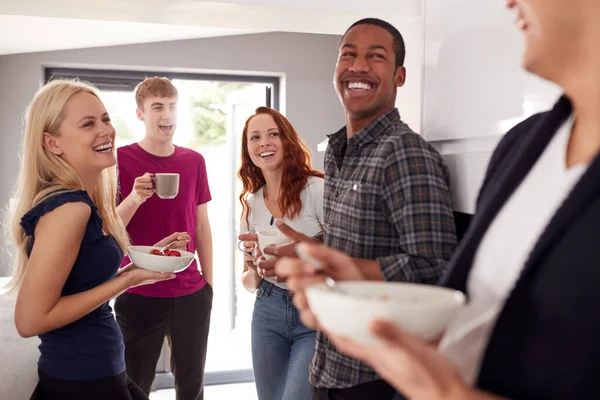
[282, 347]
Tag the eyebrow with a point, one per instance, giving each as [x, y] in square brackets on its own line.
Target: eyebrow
[372, 47]
[156, 104]
[270, 129]
[91, 117]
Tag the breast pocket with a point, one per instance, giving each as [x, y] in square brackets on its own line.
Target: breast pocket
[360, 202]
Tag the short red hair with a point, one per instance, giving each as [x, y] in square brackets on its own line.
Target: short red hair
[296, 167]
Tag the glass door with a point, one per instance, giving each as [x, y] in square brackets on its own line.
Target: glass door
[210, 120]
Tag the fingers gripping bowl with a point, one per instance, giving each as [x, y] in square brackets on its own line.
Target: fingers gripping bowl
[422, 310]
[143, 257]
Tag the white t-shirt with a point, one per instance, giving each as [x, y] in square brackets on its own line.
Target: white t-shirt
[504, 251]
[308, 222]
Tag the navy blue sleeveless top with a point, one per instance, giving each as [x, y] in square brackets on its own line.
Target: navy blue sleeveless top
[91, 347]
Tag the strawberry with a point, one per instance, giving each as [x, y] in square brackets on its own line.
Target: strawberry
[174, 253]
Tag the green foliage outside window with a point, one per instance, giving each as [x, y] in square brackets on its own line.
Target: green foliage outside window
[208, 101]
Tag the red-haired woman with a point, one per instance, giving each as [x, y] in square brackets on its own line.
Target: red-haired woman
[279, 183]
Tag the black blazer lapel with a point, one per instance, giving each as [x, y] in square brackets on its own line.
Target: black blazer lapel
[511, 171]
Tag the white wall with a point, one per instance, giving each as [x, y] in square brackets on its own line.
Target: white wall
[474, 89]
[410, 96]
[307, 60]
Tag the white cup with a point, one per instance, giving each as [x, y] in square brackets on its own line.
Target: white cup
[166, 186]
[269, 237]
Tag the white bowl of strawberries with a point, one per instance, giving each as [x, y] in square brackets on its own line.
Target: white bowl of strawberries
[151, 258]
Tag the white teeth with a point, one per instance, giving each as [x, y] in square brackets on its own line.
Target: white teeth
[105, 146]
[520, 20]
[266, 153]
[359, 85]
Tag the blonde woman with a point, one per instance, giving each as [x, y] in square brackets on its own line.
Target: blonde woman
[69, 245]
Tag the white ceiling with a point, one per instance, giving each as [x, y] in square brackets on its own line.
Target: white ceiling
[42, 25]
[30, 34]
[337, 5]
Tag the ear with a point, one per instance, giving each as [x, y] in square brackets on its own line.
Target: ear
[52, 144]
[140, 114]
[400, 77]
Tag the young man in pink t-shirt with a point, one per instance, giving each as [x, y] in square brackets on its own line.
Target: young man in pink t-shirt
[179, 308]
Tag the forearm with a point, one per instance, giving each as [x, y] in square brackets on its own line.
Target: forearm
[71, 308]
[205, 253]
[251, 280]
[411, 268]
[369, 268]
[401, 267]
[127, 209]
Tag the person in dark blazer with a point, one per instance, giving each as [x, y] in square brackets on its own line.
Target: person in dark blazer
[530, 261]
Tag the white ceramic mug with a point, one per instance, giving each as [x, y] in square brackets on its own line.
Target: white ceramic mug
[166, 186]
[269, 237]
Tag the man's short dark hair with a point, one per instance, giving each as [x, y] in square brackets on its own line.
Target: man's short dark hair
[398, 42]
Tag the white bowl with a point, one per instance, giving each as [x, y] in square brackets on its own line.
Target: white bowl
[141, 257]
[423, 310]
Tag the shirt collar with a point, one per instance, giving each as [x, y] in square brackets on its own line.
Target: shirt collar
[368, 133]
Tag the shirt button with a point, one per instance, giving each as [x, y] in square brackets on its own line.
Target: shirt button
[290, 293]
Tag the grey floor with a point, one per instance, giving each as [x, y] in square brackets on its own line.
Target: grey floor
[240, 391]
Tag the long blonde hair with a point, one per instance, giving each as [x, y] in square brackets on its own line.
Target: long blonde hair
[43, 173]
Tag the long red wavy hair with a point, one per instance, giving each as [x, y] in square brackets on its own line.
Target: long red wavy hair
[296, 167]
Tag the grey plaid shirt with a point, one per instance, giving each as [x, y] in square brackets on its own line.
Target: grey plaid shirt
[386, 199]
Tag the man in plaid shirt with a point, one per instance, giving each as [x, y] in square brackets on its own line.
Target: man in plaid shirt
[386, 201]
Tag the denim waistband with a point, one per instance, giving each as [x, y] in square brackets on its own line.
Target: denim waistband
[266, 288]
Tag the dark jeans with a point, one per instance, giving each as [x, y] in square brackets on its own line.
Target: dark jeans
[375, 390]
[185, 321]
[118, 387]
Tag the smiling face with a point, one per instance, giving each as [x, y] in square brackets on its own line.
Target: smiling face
[160, 118]
[264, 143]
[552, 31]
[366, 76]
[86, 136]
